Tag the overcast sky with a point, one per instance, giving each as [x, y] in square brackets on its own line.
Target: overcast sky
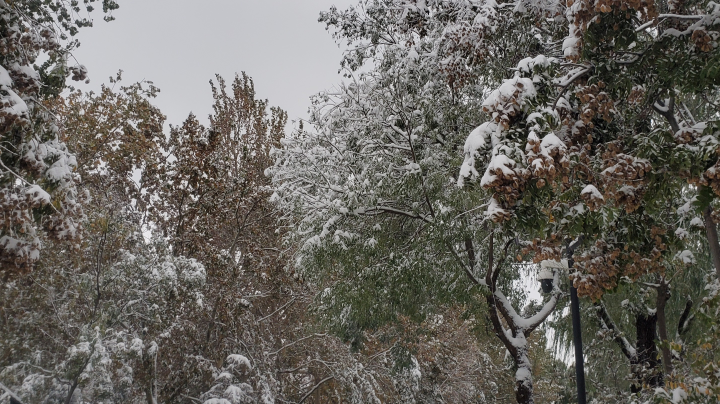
[181, 44]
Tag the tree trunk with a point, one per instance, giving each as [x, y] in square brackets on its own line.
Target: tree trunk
[71, 392]
[76, 380]
[523, 379]
[523, 374]
[645, 366]
[712, 236]
[151, 365]
[662, 298]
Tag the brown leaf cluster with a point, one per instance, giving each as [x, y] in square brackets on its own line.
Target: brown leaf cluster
[506, 107]
[711, 178]
[593, 202]
[624, 177]
[599, 270]
[595, 102]
[637, 95]
[30, 148]
[600, 267]
[585, 12]
[507, 188]
[588, 10]
[702, 40]
[465, 46]
[549, 248]
[546, 167]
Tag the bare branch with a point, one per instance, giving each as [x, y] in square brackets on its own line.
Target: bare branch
[277, 310]
[386, 209]
[295, 342]
[685, 318]
[465, 268]
[315, 388]
[606, 323]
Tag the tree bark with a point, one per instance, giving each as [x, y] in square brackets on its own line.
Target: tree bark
[151, 362]
[76, 380]
[519, 328]
[663, 295]
[523, 374]
[646, 363]
[607, 323]
[523, 379]
[712, 236]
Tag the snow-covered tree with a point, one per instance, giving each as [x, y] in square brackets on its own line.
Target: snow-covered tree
[381, 222]
[87, 324]
[38, 192]
[596, 134]
[596, 117]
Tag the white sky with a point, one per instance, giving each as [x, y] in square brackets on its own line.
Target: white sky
[181, 44]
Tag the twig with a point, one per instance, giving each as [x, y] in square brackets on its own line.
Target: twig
[280, 308]
[564, 86]
[314, 388]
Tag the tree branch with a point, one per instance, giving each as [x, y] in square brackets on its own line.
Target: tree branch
[564, 86]
[496, 271]
[685, 318]
[606, 323]
[663, 294]
[465, 268]
[667, 112]
[470, 248]
[277, 310]
[314, 388]
[10, 393]
[500, 331]
[386, 209]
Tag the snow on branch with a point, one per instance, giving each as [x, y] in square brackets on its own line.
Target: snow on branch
[607, 324]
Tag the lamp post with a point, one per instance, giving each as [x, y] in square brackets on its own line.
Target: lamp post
[546, 277]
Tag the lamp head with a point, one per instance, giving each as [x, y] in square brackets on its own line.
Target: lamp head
[547, 273]
[546, 280]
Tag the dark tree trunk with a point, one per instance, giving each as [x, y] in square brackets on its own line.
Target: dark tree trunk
[645, 366]
[663, 296]
[523, 386]
[712, 236]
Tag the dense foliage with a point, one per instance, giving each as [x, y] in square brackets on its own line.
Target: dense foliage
[590, 128]
[387, 250]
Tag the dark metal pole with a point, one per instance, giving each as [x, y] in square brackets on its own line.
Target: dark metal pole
[577, 338]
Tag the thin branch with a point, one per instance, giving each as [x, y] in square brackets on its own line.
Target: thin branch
[681, 16]
[314, 388]
[193, 399]
[465, 268]
[606, 323]
[386, 209]
[279, 309]
[295, 342]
